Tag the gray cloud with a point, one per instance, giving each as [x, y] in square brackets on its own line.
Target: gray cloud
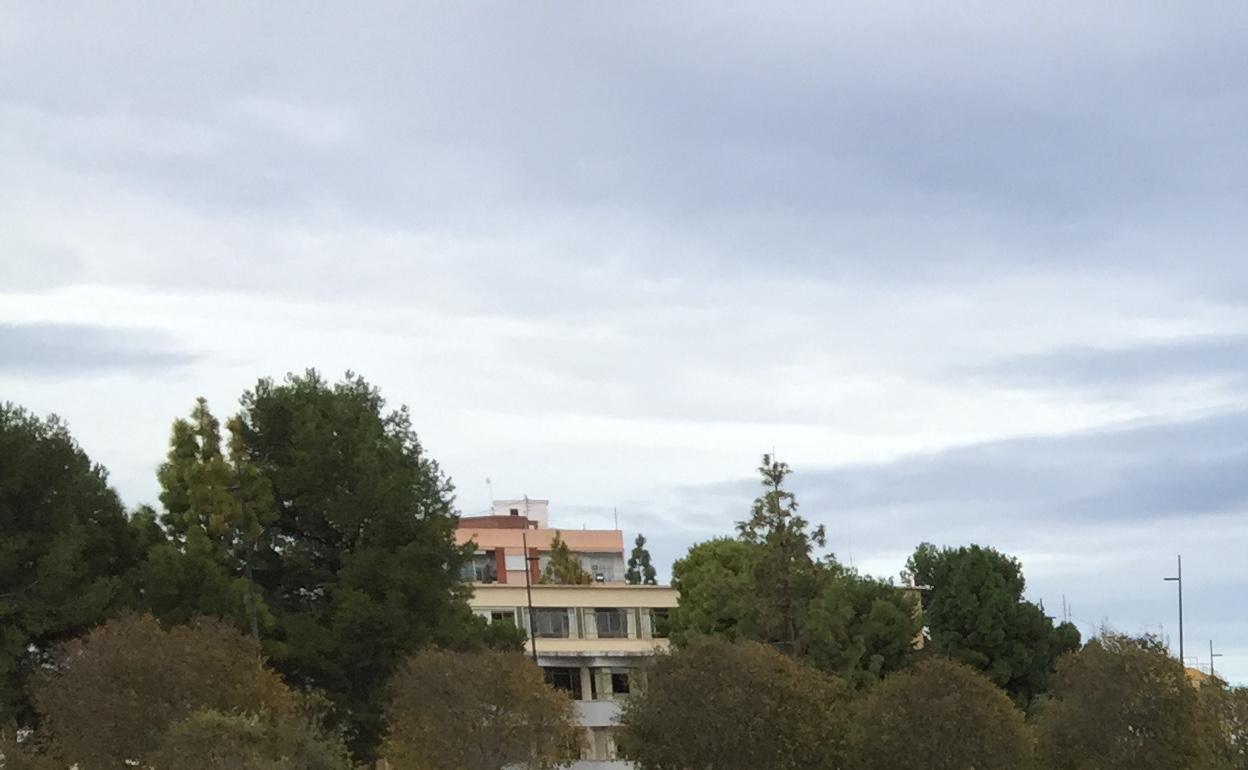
[64, 350]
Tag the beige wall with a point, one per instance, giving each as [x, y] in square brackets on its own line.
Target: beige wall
[513, 595]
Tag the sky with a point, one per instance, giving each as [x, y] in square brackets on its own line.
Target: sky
[976, 272]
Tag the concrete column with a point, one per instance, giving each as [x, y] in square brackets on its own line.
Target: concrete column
[587, 685]
[591, 623]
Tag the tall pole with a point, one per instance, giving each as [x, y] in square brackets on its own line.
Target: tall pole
[1212, 655]
[1179, 579]
[528, 589]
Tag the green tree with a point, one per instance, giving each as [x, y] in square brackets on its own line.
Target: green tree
[477, 711]
[108, 699]
[1226, 717]
[938, 715]
[860, 628]
[640, 571]
[66, 553]
[216, 508]
[714, 583]
[723, 706]
[976, 614]
[360, 566]
[1123, 703]
[562, 567]
[784, 572]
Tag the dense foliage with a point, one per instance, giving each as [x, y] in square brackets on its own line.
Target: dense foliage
[724, 706]
[477, 711]
[66, 549]
[938, 715]
[975, 611]
[639, 570]
[562, 568]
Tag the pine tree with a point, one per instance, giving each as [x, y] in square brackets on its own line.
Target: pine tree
[563, 568]
[784, 572]
[640, 571]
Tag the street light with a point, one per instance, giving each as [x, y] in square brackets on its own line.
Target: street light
[1212, 655]
[1179, 579]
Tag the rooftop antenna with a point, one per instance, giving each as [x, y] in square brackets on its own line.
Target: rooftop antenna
[490, 486]
[616, 511]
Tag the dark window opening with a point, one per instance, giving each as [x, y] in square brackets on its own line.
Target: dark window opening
[503, 616]
[515, 511]
[566, 679]
[660, 623]
[619, 684]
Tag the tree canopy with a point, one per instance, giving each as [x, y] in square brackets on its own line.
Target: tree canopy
[477, 711]
[938, 715]
[974, 607]
[640, 571]
[717, 705]
[1123, 702]
[359, 567]
[562, 568]
[67, 550]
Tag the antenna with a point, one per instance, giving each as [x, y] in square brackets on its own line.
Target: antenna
[616, 511]
[490, 486]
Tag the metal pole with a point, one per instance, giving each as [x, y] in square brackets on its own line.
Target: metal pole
[528, 589]
[1179, 580]
[1212, 655]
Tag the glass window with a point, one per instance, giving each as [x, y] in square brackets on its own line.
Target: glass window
[612, 623]
[479, 569]
[566, 679]
[619, 683]
[551, 623]
[659, 622]
[503, 616]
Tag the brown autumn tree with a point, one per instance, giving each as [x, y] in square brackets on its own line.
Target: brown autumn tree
[718, 705]
[212, 740]
[111, 695]
[938, 715]
[16, 755]
[1123, 703]
[476, 711]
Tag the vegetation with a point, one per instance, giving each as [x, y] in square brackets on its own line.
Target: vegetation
[640, 571]
[743, 706]
[66, 549]
[562, 568]
[1123, 702]
[976, 614]
[938, 715]
[482, 711]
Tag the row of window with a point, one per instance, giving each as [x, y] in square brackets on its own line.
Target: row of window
[604, 684]
[573, 623]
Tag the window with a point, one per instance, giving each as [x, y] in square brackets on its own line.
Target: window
[619, 683]
[612, 623]
[566, 679]
[551, 623]
[515, 511]
[503, 616]
[479, 569]
[659, 622]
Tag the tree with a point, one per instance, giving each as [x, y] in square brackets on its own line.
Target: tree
[66, 553]
[476, 711]
[976, 613]
[938, 715]
[734, 706]
[562, 567]
[860, 628]
[360, 566]
[213, 740]
[1226, 717]
[109, 698]
[714, 583]
[1121, 703]
[783, 569]
[640, 571]
[216, 509]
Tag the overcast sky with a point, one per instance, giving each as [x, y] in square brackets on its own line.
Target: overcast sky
[977, 272]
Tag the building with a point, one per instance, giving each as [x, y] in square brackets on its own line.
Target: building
[591, 640]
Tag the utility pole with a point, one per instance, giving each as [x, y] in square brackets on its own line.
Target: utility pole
[1179, 579]
[528, 589]
[1212, 655]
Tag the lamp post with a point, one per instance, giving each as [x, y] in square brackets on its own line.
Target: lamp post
[1179, 579]
[528, 589]
[1212, 655]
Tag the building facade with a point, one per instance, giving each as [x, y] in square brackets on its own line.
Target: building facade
[590, 640]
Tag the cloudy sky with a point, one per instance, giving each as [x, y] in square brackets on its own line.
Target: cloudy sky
[978, 275]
